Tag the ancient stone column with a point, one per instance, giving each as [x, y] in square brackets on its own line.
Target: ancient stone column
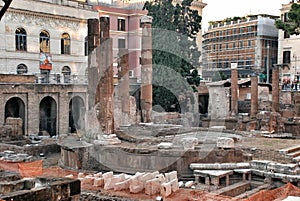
[275, 89]
[146, 70]
[93, 43]
[234, 91]
[123, 77]
[105, 88]
[254, 96]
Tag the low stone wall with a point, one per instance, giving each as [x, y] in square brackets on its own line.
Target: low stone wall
[33, 150]
[229, 124]
[50, 189]
[239, 189]
[118, 159]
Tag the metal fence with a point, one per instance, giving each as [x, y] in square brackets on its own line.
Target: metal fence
[60, 79]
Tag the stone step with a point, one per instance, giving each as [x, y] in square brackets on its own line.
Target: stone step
[288, 150]
[296, 159]
[293, 154]
[234, 189]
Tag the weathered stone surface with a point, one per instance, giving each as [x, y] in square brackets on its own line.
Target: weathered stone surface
[146, 74]
[135, 185]
[88, 180]
[152, 186]
[99, 182]
[165, 189]
[123, 185]
[224, 142]
[170, 176]
[107, 176]
[111, 181]
[189, 143]
[218, 166]
[165, 145]
[189, 184]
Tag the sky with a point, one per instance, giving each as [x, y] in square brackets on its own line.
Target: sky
[220, 9]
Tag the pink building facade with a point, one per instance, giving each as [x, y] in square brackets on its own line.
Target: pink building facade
[126, 32]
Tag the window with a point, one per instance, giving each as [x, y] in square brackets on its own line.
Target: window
[227, 46]
[131, 73]
[234, 31]
[121, 43]
[66, 71]
[44, 41]
[241, 44]
[286, 17]
[286, 56]
[233, 45]
[121, 24]
[249, 43]
[248, 62]
[242, 30]
[86, 46]
[249, 29]
[286, 34]
[220, 47]
[21, 39]
[21, 69]
[65, 43]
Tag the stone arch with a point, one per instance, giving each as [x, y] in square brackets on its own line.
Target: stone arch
[15, 108]
[48, 116]
[76, 114]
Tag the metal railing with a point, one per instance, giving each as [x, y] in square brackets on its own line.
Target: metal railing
[60, 79]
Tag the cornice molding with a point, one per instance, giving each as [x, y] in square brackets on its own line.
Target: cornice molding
[42, 19]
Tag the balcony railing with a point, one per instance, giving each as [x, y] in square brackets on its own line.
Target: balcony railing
[60, 79]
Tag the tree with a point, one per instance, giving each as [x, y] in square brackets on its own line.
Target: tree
[175, 55]
[292, 24]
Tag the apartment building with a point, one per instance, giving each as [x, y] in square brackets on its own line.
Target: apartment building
[249, 42]
[126, 32]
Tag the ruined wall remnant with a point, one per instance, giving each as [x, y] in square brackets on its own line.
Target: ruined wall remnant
[146, 70]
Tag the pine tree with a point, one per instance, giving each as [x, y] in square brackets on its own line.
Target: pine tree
[175, 53]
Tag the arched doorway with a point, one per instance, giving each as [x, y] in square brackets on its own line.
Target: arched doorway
[76, 114]
[48, 115]
[15, 107]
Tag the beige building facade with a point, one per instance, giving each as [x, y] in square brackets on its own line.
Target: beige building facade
[288, 50]
[43, 62]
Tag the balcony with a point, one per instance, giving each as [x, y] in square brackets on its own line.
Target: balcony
[60, 79]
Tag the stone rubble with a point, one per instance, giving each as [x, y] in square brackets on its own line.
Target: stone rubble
[151, 183]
